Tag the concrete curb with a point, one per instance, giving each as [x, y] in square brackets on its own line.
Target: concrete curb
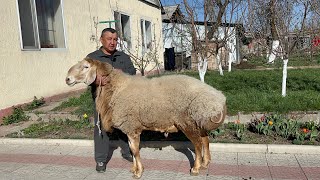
[173, 145]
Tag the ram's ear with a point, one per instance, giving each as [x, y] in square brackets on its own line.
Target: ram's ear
[91, 76]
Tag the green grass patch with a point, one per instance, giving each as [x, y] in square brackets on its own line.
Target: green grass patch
[64, 129]
[294, 60]
[260, 91]
[84, 104]
[17, 115]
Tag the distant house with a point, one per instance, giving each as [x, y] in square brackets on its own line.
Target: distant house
[41, 39]
[177, 36]
[305, 42]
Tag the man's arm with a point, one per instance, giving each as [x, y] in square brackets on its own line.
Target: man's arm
[128, 65]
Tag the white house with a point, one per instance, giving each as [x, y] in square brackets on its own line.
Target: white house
[41, 39]
[177, 34]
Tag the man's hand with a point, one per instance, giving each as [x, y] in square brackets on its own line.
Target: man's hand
[104, 79]
[101, 80]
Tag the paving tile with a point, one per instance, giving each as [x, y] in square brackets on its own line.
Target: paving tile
[255, 159]
[118, 163]
[222, 177]
[282, 172]
[34, 149]
[8, 167]
[224, 158]
[254, 172]
[29, 158]
[282, 160]
[148, 153]
[11, 176]
[308, 160]
[9, 148]
[223, 170]
[111, 173]
[185, 168]
[29, 169]
[189, 177]
[65, 172]
[162, 165]
[61, 150]
[312, 172]
[86, 151]
[125, 174]
[159, 175]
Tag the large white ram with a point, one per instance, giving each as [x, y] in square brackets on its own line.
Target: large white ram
[166, 104]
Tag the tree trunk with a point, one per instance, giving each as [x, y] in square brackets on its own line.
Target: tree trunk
[218, 57]
[274, 49]
[284, 76]
[202, 68]
[274, 33]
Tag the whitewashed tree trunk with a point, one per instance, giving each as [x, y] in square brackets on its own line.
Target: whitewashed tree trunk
[218, 57]
[229, 64]
[202, 68]
[274, 49]
[284, 77]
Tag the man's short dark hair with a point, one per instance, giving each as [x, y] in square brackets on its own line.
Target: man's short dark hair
[108, 30]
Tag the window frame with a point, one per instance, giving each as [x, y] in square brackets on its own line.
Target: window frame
[144, 43]
[120, 33]
[37, 40]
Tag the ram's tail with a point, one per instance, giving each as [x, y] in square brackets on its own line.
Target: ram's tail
[213, 123]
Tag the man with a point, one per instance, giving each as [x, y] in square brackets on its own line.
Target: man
[119, 60]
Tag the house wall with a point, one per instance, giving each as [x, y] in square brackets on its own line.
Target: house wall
[25, 74]
[179, 37]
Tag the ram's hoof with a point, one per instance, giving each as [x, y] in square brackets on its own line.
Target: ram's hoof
[137, 175]
[204, 165]
[194, 172]
[133, 170]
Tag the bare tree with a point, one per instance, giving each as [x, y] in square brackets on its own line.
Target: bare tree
[214, 36]
[285, 26]
[143, 57]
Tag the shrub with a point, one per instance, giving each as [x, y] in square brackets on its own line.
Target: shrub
[35, 103]
[18, 115]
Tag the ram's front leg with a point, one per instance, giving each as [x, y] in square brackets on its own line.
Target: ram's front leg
[137, 168]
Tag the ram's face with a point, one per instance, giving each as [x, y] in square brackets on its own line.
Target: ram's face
[82, 72]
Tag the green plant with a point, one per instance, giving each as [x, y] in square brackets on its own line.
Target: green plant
[18, 115]
[264, 125]
[84, 103]
[84, 122]
[216, 132]
[35, 103]
[240, 129]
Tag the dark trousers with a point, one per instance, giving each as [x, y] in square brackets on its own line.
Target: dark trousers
[101, 145]
[102, 142]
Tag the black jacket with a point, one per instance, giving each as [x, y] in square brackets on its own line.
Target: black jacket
[119, 60]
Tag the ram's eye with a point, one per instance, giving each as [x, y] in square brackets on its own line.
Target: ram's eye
[85, 67]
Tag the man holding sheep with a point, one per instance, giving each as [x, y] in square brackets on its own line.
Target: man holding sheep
[121, 61]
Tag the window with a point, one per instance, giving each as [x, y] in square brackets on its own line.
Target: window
[41, 24]
[123, 28]
[146, 36]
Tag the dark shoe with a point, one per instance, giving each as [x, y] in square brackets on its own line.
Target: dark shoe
[101, 167]
[127, 157]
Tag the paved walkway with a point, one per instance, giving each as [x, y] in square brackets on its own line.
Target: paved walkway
[73, 159]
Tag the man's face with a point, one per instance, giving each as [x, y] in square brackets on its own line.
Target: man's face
[109, 41]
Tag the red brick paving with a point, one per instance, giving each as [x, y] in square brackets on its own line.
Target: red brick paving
[262, 172]
[280, 172]
[312, 172]
[243, 171]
